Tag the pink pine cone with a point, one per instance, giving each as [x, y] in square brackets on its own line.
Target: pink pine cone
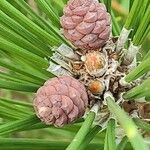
[61, 101]
[86, 23]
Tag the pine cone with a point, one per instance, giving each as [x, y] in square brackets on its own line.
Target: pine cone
[61, 101]
[86, 23]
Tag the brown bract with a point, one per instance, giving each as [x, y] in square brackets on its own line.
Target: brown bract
[86, 24]
[61, 101]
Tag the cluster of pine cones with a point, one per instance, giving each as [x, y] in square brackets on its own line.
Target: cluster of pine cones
[62, 100]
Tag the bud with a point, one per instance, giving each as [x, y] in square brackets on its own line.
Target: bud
[96, 87]
[95, 63]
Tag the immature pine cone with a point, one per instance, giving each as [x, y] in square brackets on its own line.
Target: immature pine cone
[61, 101]
[86, 23]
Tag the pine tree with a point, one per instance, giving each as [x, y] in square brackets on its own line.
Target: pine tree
[34, 50]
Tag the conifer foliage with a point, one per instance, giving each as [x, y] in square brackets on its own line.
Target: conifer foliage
[88, 87]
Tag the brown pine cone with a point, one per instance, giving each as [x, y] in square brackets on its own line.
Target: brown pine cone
[86, 23]
[61, 101]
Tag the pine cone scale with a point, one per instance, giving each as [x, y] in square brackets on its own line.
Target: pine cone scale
[73, 115]
[99, 27]
[92, 7]
[75, 35]
[80, 11]
[90, 38]
[77, 19]
[81, 90]
[73, 94]
[90, 17]
[67, 104]
[85, 27]
[59, 122]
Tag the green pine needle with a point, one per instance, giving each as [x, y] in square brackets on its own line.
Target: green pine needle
[140, 91]
[142, 68]
[80, 136]
[136, 6]
[18, 125]
[128, 125]
[122, 144]
[90, 136]
[27, 23]
[110, 143]
[142, 124]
